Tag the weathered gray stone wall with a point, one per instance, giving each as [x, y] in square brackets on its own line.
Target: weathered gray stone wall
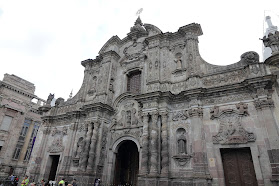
[185, 112]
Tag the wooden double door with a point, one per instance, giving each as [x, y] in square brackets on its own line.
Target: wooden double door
[127, 164]
[238, 167]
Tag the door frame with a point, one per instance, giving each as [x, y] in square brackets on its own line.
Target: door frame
[255, 157]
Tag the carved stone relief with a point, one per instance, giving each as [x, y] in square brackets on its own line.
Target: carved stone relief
[229, 98]
[57, 143]
[180, 115]
[127, 117]
[231, 130]
[134, 51]
[225, 78]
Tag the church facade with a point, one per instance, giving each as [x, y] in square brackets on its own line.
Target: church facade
[151, 111]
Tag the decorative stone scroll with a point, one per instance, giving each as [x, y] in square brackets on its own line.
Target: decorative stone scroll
[182, 159]
[231, 130]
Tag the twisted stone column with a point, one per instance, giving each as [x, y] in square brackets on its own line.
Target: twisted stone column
[85, 154]
[154, 145]
[144, 154]
[165, 151]
[92, 152]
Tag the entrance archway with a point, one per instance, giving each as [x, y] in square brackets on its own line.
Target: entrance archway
[126, 164]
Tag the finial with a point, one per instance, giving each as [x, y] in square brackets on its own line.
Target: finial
[71, 94]
[139, 12]
[138, 21]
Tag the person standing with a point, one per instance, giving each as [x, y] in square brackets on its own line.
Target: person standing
[42, 182]
[62, 182]
[74, 183]
[25, 181]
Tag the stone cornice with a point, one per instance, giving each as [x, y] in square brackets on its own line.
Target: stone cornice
[111, 54]
[19, 91]
[97, 107]
[247, 86]
[91, 61]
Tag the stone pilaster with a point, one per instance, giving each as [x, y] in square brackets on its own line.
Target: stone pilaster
[92, 152]
[264, 108]
[165, 149]
[199, 152]
[154, 145]
[85, 154]
[145, 136]
[266, 118]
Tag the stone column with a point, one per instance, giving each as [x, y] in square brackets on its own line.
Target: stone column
[84, 157]
[144, 154]
[154, 145]
[92, 152]
[26, 142]
[165, 149]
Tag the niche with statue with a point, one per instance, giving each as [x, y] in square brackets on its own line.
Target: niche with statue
[182, 157]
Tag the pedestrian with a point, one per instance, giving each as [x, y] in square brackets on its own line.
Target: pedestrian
[25, 181]
[33, 184]
[62, 182]
[42, 182]
[74, 183]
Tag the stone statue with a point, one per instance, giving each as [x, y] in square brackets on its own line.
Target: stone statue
[134, 119]
[181, 141]
[80, 147]
[50, 98]
[178, 61]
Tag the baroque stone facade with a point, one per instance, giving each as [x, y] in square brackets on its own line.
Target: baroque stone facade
[19, 123]
[153, 92]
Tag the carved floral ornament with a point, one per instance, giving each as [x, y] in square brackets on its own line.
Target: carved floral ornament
[231, 130]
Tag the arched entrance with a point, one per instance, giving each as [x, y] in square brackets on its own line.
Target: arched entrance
[126, 164]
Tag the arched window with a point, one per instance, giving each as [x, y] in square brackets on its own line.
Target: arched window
[134, 82]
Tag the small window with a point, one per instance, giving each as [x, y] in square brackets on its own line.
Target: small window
[134, 82]
[34, 132]
[25, 128]
[27, 155]
[7, 120]
[16, 153]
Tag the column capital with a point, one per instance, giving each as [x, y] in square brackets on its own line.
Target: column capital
[263, 104]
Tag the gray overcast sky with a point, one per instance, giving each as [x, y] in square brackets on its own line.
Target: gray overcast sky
[45, 41]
